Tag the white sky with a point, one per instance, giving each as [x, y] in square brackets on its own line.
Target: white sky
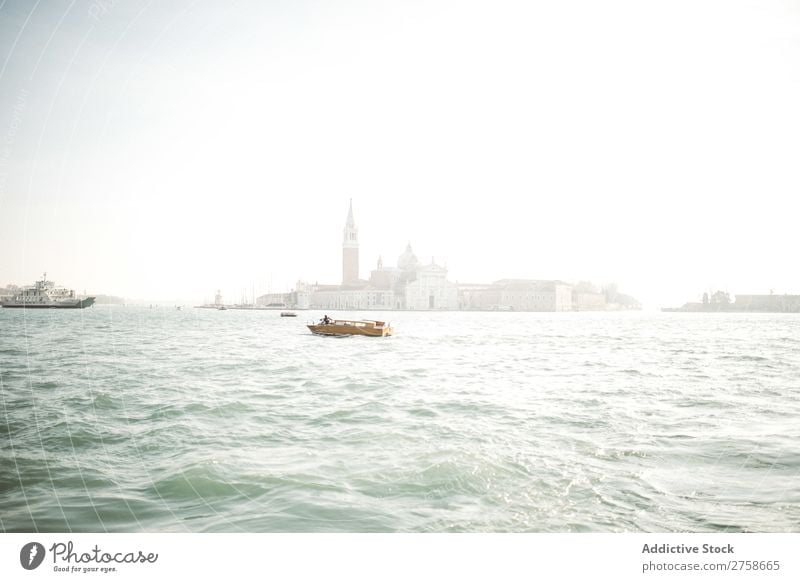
[163, 152]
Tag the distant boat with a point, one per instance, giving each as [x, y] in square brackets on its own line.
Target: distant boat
[45, 295]
[342, 327]
[222, 308]
[288, 314]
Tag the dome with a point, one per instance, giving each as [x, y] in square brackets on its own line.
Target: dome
[408, 260]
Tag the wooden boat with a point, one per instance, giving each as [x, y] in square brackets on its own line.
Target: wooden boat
[288, 314]
[342, 327]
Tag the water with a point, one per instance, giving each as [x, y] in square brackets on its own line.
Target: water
[131, 419]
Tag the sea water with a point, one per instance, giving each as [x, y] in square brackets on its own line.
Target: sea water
[127, 419]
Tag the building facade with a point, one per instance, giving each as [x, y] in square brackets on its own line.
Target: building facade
[409, 285]
[768, 303]
[430, 289]
[517, 295]
[589, 301]
[412, 285]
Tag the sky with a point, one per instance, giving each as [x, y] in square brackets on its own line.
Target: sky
[167, 150]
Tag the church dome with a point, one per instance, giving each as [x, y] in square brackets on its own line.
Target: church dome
[408, 260]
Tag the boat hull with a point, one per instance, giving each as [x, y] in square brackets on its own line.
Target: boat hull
[77, 304]
[342, 330]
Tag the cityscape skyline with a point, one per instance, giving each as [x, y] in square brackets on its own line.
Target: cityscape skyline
[249, 291]
[164, 152]
[351, 280]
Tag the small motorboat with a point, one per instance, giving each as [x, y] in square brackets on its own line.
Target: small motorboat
[288, 314]
[342, 327]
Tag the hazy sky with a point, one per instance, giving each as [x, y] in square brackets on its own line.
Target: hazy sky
[164, 150]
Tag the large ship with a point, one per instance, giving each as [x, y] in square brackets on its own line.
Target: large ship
[45, 295]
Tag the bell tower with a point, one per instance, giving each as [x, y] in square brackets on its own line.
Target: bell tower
[350, 250]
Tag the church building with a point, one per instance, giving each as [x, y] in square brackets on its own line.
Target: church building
[409, 285]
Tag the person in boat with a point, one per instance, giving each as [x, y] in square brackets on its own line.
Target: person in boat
[326, 320]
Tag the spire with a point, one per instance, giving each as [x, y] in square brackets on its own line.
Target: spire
[350, 249]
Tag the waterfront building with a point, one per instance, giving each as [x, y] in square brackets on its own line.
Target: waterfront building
[589, 301]
[534, 295]
[384, 277]
[303, 295]
[477, 296]
[276, 300]
[430, 289]
[415, 287]
[767, 303]
[517, 295]
[412, 285]
[409, 285]
[721, 301]
[334, 297]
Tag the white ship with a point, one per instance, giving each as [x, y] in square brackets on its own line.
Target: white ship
[45, 294]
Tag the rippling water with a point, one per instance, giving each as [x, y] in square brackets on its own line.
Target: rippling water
[131, 419]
